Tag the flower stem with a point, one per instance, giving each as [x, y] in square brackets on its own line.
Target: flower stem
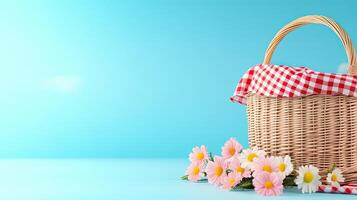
[331, 169]
[210, 157]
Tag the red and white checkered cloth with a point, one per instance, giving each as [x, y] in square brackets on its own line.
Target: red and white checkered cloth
[346, 189]
[285, 81]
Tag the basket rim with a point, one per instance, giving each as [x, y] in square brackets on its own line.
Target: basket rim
[301, 97]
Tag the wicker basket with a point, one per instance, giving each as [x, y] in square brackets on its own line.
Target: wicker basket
[319, 129]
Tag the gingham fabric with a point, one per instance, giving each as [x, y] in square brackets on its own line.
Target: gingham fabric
[346, 189]
[284, 81]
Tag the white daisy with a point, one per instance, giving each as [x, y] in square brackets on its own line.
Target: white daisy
[308, 179]
[335, 177]
[285, 166]
[249, 155]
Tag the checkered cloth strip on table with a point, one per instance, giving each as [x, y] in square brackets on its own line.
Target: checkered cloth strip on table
[346, 189]
[284, 81]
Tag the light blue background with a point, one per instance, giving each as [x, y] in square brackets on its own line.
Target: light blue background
[143, 78]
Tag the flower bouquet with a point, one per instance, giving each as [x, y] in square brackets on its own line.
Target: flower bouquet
[239, 168]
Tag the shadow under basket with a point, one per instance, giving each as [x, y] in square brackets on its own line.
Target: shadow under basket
[319, 130]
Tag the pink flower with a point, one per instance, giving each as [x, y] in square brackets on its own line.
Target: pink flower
[268, 184]
[231, 148]
[231, 180]
[199, 154]
[216, 170]
[264, 164]
[236, 167]
[194, 171]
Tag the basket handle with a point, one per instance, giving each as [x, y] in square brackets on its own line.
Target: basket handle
[316, 19]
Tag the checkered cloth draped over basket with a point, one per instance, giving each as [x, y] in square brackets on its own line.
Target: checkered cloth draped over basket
[284, 81]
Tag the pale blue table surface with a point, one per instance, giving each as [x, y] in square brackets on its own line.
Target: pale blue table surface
[106, 179]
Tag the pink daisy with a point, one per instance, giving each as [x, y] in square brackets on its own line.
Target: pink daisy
[268, 184]
[195, 171]
[236, 166]
[199, 154]
[231, 180]
[231, 148]
[216, 170]
[264, 164]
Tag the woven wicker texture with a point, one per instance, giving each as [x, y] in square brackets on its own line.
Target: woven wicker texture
[320, 130]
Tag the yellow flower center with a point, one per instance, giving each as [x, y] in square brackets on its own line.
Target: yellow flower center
[282, 167]
[240, 169]
[251, 156]
[232, 151]
[218, 171]
[200, 156]
[268, 184]
[334, 178]
[195, 170]
[308, 177]
[232, 182]
[267, 168]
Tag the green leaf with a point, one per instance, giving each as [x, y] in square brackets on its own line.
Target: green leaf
[289, 181]
[185, 178]
[246, 183]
